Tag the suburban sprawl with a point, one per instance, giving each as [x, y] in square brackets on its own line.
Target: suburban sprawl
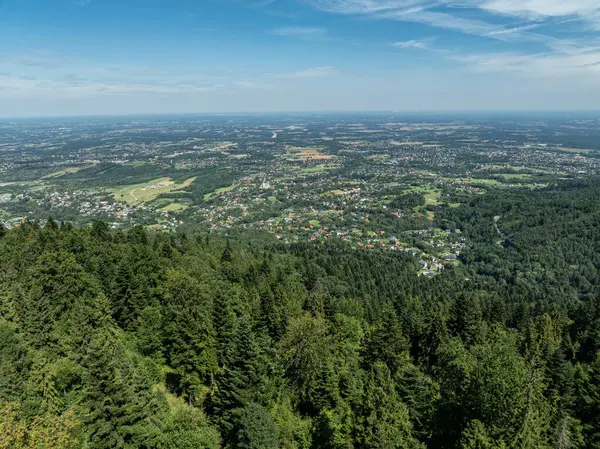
[372, 181]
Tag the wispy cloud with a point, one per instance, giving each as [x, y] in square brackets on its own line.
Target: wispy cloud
[252, 84]
[365, 6]
[419, 11]
[300, 32]
[520, 29]
[449, 14]
[447, 21]
[414, 43]
[314, 72]
[75, 87]
[587, 11]
[50, 75]
[32, 75]
[258, 3]
[584, 63]
[542, 8]
[553, 56]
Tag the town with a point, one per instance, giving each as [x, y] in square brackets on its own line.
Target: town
[373, 181]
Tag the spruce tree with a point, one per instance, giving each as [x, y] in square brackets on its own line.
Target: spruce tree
[384, 419]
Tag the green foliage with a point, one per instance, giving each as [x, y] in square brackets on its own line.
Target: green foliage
[257, 430]
[189, 336]
[113, 339]
[187, 428]
[476, 436]
[384, 419]
[305, 349]
[15, 362]
[43, 432]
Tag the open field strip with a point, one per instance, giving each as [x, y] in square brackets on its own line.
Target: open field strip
[143, 193]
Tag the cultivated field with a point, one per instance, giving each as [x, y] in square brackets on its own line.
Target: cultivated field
[307, 154]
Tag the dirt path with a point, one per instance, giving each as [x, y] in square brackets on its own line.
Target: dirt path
[131, 193]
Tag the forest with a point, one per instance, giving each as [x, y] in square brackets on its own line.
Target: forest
[140, 339]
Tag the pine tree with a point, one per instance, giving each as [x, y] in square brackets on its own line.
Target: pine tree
[421, 394]
[534, 427]
[588, 407]
[120, 406]
[15, 362]
[568, 434]
[386, 343]
[476, 436]
[467, 318]
[190, 338]
[59, 304]
[384, 420]
[241, 379]
[306, 348]
[257, 430]
[51, 225]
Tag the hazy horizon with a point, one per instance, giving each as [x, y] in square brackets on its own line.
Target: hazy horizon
[536, 113]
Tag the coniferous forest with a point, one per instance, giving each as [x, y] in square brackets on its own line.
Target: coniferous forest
[138, 339]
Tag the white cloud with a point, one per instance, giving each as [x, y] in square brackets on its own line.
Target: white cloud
[314, 72]
[584, 64]
[446, 21]
[514, 30]
[542, 8]
[251, 84]
[578, 56]
[301, 32]
[76, 87]
[423, 11]
[364, 6]
[54, 76]
[413, 43]
[587, 11]
[258, 3]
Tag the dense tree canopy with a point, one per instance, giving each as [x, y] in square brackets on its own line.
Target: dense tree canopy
[131, 339]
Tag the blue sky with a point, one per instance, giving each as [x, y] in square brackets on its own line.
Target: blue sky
[71, 57]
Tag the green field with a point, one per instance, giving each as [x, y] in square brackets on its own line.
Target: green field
[137, 164]
[432, 195]
[175, 207]
[66, 171]
[217, 192]
[318, 169]
[559, 149]
[143, 193]
[514, 176]
[332, 193]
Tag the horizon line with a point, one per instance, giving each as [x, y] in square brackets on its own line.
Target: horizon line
[299, 112]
